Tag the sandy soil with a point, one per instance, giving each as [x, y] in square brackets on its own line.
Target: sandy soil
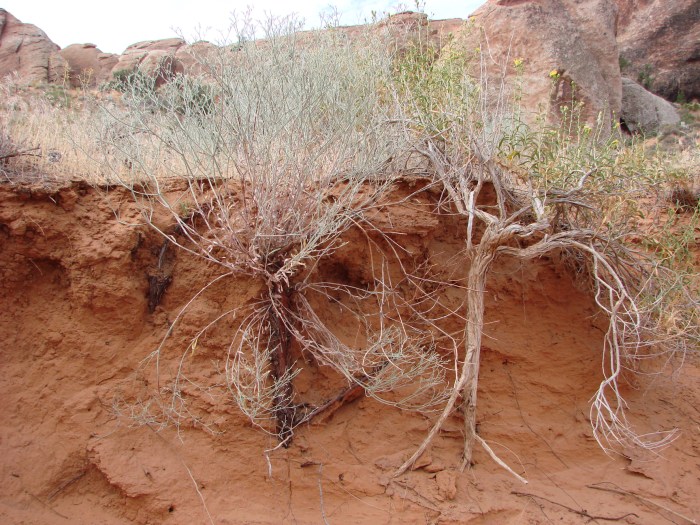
[80, 444]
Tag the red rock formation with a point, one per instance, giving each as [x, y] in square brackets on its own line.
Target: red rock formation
[568, 52]
[155, 58]
[189, 56]
[403, 29]
[660, 45]
[409, 27]
[87, 65]
[26, 50]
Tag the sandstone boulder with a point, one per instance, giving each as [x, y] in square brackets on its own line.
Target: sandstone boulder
[161, 65]
[404, 29]
[87, 65]
[163, 59]
[401, 30]
[26, 50]
[155, 58]
[565, 50]
[659, 44]
[644, 112]
[189, 57]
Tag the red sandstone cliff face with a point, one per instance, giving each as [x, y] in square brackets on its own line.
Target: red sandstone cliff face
[26, 50]
[660, 45]
[79, 446]
[567, 53]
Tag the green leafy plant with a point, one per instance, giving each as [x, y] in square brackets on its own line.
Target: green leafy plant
[58, 96]
[645, 76]
[688, 110]
[127, 81]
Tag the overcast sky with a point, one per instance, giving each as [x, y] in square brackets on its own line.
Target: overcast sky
[113, 26]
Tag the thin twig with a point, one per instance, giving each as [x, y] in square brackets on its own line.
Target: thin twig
[498, 460]
[327, 409]
[20, 153]
[582, 512]
[66, 484]
[320, 493]
[46, 505]
[522, 416]
[199, 493]
[424, 502]
[618, 490]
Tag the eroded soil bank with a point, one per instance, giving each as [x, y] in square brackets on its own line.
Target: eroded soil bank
[78, 446]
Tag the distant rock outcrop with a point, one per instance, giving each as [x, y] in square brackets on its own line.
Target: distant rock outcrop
[563, 51]
[659, 44]
[399, 31]
[155, 58]
[404, 29]
[189, 57]
[644, 112]
[87, 65]
[567, 52]
[26, 50]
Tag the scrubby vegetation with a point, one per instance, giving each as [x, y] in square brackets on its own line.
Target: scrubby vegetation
[285, 144]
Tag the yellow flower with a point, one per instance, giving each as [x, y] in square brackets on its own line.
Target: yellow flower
[518, 62]
[554, 74]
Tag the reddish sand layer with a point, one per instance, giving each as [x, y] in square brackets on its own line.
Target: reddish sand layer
[78, 444]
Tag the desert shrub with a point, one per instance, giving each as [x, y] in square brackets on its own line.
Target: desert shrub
[189, 97]
[55, 136]
[684, 198]
[11, 150]
[8, 148]
[645, 76]
[282, 147]
[58, 95]
[128, 81]
[574, 190]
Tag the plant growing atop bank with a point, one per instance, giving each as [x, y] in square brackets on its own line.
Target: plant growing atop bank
[281, 147]
[569, 191]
